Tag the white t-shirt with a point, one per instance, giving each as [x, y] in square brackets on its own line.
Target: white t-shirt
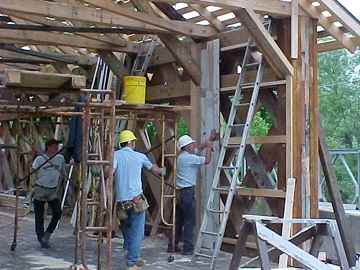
[49, 174]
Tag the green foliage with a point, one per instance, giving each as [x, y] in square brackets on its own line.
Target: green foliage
[261, 123]
[339, 107]
[181, 127]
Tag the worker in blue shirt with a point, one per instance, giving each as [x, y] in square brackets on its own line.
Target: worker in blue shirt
[187, 168]
[131, 203]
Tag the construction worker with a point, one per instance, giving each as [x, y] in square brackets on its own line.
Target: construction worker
[187, 168]
[46, 186]
[131, 203]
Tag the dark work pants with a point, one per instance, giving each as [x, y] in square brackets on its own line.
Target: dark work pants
[39, 216]
[185, 218]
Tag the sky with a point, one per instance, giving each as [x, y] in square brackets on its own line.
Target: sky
[353, 6]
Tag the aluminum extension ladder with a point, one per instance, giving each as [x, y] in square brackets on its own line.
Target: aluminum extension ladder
[209, 240]
[142, 59]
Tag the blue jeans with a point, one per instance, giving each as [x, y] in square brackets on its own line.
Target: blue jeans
[185, 218]
[133, 232]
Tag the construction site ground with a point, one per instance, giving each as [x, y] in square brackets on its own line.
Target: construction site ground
[30, 256]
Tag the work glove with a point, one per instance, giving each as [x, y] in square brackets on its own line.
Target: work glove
[162, 171]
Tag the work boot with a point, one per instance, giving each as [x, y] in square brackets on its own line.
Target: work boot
[140, 263]
[134, 267]
[45, 240]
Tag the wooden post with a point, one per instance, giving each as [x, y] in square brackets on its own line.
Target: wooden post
[209, 114]
[336, 201]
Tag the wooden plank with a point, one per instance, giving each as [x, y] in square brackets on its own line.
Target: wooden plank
[289, 248]
[333, 30]
[264, 40]
[314, 122]
[33, 79]
[294, 29]
[346, 19]
[239, 251]
[260, 192]
[184, 28]
[260, 139]
[43, 38]
[77, 13]
[262, 249]
[336, 200]
[210, 119]
[339, 248]
[288, 211]
[218, 25]
[297, 239]
[270, 6]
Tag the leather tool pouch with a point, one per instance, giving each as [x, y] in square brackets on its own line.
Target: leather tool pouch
[140, 204]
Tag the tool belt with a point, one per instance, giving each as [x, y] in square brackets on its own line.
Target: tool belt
[137, 204]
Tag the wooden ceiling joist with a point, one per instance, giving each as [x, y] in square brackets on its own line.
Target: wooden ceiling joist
[111, 39]
[275, 7]
[330, 27]
[184, 28]
[273, 54]
[342, 16]
[84, 14]
[213, 20]
[53, 39]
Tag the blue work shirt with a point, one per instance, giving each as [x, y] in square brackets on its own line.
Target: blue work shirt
[127, 173]
[187, 167]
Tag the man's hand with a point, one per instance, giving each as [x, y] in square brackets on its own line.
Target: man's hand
[72, 162]
[213, 135]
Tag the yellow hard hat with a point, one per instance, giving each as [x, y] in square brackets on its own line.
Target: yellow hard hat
[126, 136]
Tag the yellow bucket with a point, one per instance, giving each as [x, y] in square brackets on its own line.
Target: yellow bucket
[134, 89]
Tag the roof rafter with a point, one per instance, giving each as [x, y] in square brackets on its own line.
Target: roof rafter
[184, 28]
[215, 22]
[268, 6]
[44, 38]
[273, 54]
[77, 13]
[330, 27]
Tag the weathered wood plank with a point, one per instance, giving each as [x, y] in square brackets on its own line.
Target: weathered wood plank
[33, 79]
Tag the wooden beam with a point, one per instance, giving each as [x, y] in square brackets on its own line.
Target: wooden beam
[40, 38]
[269, 6]
[180, 51]
[77, 13]
[80, 60]
[58, 26]
[270, 49]
[114, 63]
[260, 192]
[31, 79]
[346, 19]
[330, 27]
[184, 28]
[336, 200]
[294, 29]
[219, 26]
[334, 45]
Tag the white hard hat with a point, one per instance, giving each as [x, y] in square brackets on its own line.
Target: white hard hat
[184, 141]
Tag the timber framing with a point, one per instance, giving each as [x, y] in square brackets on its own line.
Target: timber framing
[194, 67]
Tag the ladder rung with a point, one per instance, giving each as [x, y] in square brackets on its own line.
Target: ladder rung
[242, 104]
[169, 196]
[210, 233]
[98, 162]
[252, 64]
[226, 189]
[169, 155]
[202, 255]
[238, 125]
[97, 229]
[228, 167]
[233, 145]
[215, 211]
